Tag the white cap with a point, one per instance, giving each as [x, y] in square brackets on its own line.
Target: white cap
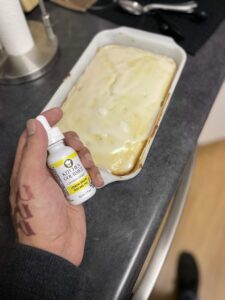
[54, 134]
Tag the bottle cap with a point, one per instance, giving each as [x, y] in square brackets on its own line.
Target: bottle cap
[54, 133]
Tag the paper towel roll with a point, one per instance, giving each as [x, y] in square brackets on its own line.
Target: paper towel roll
[15, 35]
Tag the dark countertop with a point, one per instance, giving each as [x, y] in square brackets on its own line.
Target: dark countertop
[122, 218]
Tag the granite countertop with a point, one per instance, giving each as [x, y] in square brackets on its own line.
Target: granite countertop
[122, 218]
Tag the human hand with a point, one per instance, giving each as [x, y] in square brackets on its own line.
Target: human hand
[42, 217]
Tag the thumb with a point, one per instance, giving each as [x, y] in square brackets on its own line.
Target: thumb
[36, 149]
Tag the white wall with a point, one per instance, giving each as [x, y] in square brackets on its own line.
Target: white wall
[214, 129]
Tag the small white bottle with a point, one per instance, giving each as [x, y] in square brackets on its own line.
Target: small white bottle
[66, 166]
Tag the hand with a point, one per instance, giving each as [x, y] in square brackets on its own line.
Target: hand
[42, 217]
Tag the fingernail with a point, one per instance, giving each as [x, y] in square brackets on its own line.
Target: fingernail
[31, 127]
[100, 179]
[88, 157]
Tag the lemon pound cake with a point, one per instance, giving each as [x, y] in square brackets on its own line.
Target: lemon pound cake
[115, 103]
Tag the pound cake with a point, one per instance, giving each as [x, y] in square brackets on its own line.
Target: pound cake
[115, 103]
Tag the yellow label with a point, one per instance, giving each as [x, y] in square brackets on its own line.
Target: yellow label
[61, 161]
[79, 185]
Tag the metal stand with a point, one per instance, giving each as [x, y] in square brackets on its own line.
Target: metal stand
[30, 66]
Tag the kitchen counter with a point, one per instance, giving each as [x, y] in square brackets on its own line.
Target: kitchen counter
[123, 218]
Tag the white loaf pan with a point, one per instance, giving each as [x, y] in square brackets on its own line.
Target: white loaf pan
[133, 38]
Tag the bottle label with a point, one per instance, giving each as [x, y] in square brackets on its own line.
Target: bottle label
[70, 174]
[79, 185]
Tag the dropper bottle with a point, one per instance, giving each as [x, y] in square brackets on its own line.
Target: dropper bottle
[66, 166]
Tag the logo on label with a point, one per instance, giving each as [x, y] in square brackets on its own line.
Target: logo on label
[68, 163]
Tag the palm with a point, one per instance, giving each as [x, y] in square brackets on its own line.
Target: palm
[61, 225]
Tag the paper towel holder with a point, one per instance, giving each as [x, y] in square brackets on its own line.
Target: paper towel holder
[36, 62]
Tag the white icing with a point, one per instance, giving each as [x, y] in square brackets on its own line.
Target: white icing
[115, 103]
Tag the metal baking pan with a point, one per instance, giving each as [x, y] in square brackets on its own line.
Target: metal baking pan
[133, 38]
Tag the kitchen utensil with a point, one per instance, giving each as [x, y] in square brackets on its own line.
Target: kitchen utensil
[136, 8]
